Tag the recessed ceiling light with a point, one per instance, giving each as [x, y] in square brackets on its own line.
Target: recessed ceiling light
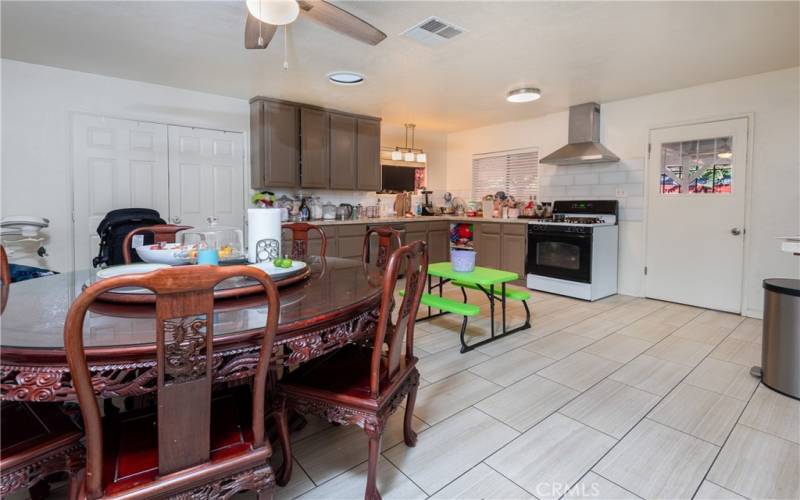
[346, 77]
[526, 94]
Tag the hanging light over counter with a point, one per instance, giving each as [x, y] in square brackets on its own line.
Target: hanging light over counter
[409, 153]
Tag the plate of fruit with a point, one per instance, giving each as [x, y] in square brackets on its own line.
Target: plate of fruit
[281, 267]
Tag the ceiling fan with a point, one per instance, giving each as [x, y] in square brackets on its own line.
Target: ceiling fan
[264, 17]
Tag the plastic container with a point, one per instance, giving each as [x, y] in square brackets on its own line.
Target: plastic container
[228, 241]
[462, 259]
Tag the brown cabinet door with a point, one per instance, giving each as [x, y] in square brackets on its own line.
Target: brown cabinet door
[343, 151]
[513, 258]
[438, 245]
[350, 246]
[282, 145]
[368, 175]
[257, 157]
[314, 152]
[416, 231]
[487, 244]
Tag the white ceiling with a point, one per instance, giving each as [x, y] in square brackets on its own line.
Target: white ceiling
[573, 51]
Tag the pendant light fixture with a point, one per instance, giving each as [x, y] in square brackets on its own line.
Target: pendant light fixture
[277, 12]
[409, 154]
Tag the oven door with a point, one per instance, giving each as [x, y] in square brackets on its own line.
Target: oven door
[560, 255]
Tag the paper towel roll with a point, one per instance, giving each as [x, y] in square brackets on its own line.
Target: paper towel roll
[262, 223]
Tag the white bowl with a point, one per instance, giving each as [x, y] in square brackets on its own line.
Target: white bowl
[111, 272]
[172, 254]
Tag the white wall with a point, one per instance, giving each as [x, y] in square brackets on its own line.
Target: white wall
[774, 100]
[37, 102]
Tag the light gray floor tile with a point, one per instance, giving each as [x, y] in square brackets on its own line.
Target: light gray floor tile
[611, 407]
[580, 370]
[314, 424]
[650, 374]
[702, 332]
[681, 351]
[711, 491]
[350, 485]
[647, 329]
[723, 377]
[558, 345]
[448, 362]
[736, 351]
[333, 451]
[482, 482]
[755, 464]
[451, 395]
[703, 414]
[507, 344]
[437, 341]
[450, 448]
[549, 458]
[299, 483]
[599, 488]
[654, 461]
[749, 330]
[594, 328]
[527, 402]
[774, 413]
[718, 318]
[511, 366]
[674, 314]
[618, 347]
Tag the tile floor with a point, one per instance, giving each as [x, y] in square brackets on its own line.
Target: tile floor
[620, 398]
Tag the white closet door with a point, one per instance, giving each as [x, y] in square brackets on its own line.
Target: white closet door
[206, 173]
[116, 164]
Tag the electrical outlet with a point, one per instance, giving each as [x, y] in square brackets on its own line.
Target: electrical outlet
[620, 193]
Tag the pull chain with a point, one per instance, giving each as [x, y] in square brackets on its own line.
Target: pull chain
[286, 47]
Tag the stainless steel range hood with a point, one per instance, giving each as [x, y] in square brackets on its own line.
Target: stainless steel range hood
[584, 139]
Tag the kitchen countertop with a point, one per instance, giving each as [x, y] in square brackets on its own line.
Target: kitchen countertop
[433, 218]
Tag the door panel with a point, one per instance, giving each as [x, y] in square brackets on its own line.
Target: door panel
[368, 162]
[696, 204]
[282, 145]
[487, 245]
[206, 177]
[343, 152]
[314, 151]
[116, 164]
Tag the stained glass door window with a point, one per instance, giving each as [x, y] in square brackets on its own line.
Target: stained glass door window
[697, 167]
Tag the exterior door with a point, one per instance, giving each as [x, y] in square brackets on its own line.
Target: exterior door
[696, 212]
[206, 177]
[116, 164]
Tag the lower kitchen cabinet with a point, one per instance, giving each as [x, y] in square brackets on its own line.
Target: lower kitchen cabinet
[514, 249]
[416, 231]
[350, 240]
[487, 244]
[439, 241]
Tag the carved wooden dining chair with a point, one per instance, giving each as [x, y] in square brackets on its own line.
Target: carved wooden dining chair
[364, 384]
[300, 244]
[162, 233]
[197, 444]
[388, 241]
[39, 440]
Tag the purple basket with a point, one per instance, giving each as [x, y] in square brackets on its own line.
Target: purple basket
[463, 259]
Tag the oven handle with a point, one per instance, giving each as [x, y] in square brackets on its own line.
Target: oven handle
[558, 234]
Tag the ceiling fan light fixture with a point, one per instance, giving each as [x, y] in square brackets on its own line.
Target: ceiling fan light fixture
[277, 12]
[346, 77]
[525, 94]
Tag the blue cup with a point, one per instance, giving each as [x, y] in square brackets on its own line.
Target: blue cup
[208, 257]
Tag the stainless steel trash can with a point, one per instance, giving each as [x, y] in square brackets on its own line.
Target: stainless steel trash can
[780, 352]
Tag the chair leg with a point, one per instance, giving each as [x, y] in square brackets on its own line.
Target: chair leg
[409, 435]
[75, 480]
[375, 434]
[265, 494]
[282, 423]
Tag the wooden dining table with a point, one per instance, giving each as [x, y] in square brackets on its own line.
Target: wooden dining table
[337, 304]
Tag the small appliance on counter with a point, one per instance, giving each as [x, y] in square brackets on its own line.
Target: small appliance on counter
[574, 253]
[427, 206]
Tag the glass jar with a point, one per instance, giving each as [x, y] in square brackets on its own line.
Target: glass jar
[328, 211]
[227, 240]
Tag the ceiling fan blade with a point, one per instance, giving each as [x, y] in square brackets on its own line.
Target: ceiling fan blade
[342, 21]
[251, 33]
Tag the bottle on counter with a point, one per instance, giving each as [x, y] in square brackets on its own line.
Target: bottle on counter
[305, 212]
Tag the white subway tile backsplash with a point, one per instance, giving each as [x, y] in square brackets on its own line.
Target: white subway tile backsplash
[636, 177]
[630, 214]
[550, 193]
[604, 190]
[613, 178]
[634, 202]
[587, 179]
[632, 189]
[562, 180]
[579, 190]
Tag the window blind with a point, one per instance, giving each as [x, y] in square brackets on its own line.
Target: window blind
[514, 172]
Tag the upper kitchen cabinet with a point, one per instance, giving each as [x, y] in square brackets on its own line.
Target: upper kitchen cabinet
[368, 165]
[274, 144]
[343, 151]
[315, 169]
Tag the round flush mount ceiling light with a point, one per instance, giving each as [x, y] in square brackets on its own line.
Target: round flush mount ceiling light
[525, 94]
[346, 77]
[277, 12]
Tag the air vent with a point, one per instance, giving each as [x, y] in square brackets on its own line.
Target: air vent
[433, 32]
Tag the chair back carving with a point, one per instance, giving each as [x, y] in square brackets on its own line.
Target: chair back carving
[184, 340]
[300, 232]
[5, 272]
[162, 233]
[388, 240]
[413, 259]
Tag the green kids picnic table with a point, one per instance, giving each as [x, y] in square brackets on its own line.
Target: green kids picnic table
[491, 282]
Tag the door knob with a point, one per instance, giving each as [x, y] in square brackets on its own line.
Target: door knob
[736, 231]
[176, 220]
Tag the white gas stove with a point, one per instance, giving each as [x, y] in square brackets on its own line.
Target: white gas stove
[575, 252]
